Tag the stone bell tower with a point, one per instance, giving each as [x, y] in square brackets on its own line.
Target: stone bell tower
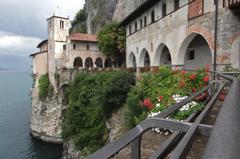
[58, 30]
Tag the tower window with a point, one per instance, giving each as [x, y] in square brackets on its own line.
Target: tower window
[191, 55]
[87, 47]
[135, 26]
[152, 17]
[50, 24]
[64, 47]
[74, 46]
[141, 24]
[164, 9]
[62, 24]
[176, 4]
[145, 21]
[130, 29]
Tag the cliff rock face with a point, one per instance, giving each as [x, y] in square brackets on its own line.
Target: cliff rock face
[46, 118]
[99, 13]
[102, 11]
[125, 7]
[47, 114]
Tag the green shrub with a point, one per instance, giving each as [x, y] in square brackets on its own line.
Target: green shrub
[92, 98]
[144, 97]
[44, 86]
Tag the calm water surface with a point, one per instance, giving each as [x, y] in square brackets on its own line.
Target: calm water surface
[15, 112]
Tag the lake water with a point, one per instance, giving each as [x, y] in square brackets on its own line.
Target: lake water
[15, 112]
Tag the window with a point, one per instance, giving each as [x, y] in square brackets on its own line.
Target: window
[74, 46]
[191, 55]
[164, 10]
[135, 26]
[130, 29]
[145, 21]
[141, 25]
[87, 47]
[176, 4]
[50, 24]
[151, 47]
[62, 24]
[64, 47]
[152, 17]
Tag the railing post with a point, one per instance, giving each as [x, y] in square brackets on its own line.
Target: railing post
[136, 148]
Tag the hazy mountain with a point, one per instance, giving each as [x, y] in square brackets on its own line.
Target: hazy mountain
[15, 62]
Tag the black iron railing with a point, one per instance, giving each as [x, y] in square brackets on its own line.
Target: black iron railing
[224, 136]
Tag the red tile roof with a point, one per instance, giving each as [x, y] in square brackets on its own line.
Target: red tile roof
[83, 37]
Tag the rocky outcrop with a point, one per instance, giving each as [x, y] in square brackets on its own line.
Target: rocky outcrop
[124, 8]
[48, 113]
[47, 118]
[101, 12]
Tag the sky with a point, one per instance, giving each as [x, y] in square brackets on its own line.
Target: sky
[23, 23]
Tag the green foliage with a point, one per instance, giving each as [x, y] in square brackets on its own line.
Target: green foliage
[92, 98]
[161, 86]
[44, 86]
[79, 22]
[230, 69]
[111, 39]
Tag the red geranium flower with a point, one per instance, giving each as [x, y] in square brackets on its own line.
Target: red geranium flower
[182, 83]
[192, 77]
[147, 103]
[194, 90]
[207, 68]
[183, 72]
[206, 79]
[160, 98]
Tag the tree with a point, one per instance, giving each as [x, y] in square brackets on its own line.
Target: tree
[112, 41]
[79, 22]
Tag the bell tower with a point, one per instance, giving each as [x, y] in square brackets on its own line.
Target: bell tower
[58, 30]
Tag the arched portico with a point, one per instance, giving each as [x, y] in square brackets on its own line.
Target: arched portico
[144, 59]
[77, 62]
[99, 62]
[108, 63]
[89, 62]
[195, 52]
[162, 56]
[132, 60]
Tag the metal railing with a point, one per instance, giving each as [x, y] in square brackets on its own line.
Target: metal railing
[224, 136]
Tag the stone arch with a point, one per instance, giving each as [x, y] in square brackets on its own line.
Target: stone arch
[108, 63]
[132, 60]
[195, 51]
[162, 56]
[89, 62]
[77, 63]
[235, 52]
[99, 62]
[144, 59]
